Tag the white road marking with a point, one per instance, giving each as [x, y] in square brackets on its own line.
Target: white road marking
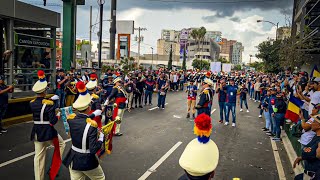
[159, 162]
[156, 107]
[23, 157]
[175, 116]
[278, 160]
[213, 111]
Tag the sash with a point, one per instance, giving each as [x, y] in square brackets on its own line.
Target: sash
[118, 101]
[107, 130]
[65, 112]
[56, 159]
[97, 119]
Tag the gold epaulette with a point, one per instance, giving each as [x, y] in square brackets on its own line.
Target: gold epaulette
[92, 122]
[47, 102]
[73, 83]
[32, 100]
[94, 96]
[71, 116]
[206, 91]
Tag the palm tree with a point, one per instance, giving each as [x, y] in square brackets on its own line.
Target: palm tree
[195, 35]
[202, 33]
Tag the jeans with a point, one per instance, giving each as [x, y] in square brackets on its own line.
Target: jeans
[251, 93]
[137, 98]
[273, 125]
[181, 85]
[174, 86]
[231, 107]
[257, 96]
[267, 116]
[279, 119]
[203, 110]
[3, 110]
[148, 94]
[223, 110]
[62, 97]
[245, 103]
[161, 100]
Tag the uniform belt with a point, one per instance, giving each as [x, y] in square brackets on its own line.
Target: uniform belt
[83, 151]
[309, 173]
[39, 122]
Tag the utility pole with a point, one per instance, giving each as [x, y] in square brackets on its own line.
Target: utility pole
[152, 59]
[139, 39]
[100, 32]
[250, 59]
[90, 37]
[113, 30]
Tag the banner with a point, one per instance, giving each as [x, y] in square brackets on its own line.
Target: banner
[215, 67]
[226, 67]
[33, 41]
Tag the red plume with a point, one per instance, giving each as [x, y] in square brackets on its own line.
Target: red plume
[40, 73]
[80, 85]
[203, 122]
[93, 76]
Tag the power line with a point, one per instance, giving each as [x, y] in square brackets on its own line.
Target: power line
[211, 2]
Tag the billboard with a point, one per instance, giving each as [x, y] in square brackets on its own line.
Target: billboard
[125, 27]
[226, 67]
[215, 67]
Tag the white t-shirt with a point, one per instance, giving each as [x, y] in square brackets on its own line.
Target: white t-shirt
[306, 137]
[175, 78]
[315, 99]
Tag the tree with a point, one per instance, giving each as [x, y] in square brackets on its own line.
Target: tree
[258, 66]
[269, 53]
[195, 35]
[200, 65]
[223, 60]
[184, 59]
[170, 59]
[237, 67]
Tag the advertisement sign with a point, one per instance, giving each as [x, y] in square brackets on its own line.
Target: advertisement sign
[226, 67]
[215, 67]
[33, 41]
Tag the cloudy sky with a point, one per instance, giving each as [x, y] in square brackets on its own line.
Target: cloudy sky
[236, 19]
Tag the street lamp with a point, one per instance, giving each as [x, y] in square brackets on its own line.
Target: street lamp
[274, 24]
[100, 2]
[250, 58]
[152, 59]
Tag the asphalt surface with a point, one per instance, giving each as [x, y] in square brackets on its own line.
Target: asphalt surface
[245, 151]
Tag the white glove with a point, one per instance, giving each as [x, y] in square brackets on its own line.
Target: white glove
[55, 97]
[101, 136]
[126, 101]
[106, 103]
[97, 112]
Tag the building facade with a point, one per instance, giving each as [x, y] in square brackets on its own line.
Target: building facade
[283, 33]
[236, 50]
[164, 47]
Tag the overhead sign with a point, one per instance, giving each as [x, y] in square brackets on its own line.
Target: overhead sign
[33, 41]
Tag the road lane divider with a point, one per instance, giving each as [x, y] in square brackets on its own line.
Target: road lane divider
[156, 107]
[278, 161]
[213, 111]
[24, 156]
[159, 162]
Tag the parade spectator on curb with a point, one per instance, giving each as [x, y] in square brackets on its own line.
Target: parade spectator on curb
[4, 90]
[257, 90]
[222, 96]
[150, 85]
[129, 87]
[243, 97]
[139, 91]
[308, 134]
[279, 111]
[266, 112]
[311, 154]
[162, 89]
[61, 81]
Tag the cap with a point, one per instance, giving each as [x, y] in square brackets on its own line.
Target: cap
[201, 156]
[208, 81]
[118, 79]
[41, 85]
[84, 98]
[92, 83]
[60, 70]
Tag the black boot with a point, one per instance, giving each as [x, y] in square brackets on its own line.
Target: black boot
[193, 116]
[188, 115]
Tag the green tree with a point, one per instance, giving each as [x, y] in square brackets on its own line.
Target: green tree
[258, 66]
[268, 52]
[170, 59]
[198, 64]
[237, 67]
[223, 60]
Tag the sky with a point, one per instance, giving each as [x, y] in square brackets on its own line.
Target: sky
[236, 19]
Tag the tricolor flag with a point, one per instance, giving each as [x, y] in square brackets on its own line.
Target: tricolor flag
[293, 109]
[315, 72]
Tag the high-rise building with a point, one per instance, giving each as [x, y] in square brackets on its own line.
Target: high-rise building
[226, 46]
[237, 50]
[163, 47]
[170, 35]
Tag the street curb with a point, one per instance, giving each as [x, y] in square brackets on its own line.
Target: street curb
[17, 120]
[291, 152]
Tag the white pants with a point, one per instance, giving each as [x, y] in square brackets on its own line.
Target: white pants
[120, 114]
[94, 174]
[40, 156]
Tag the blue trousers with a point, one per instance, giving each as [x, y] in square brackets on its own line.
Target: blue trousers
[245, 103]
[148, 94]
[62, 98]
[222, 106]
[267, 116]
[161, 100]
[181, 85]
[231, 107]
[203, 110]
[279, 119]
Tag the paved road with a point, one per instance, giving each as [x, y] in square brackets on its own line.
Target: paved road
[245, 151]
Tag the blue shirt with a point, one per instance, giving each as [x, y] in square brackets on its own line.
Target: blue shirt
[150, 84]
[4, 96]
[231, 94]
[190, 90]
[161, 83]
[222, 97]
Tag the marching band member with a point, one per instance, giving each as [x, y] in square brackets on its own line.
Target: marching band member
[205, 97]
[120, 96]
[192, 95]
[95, 103]
[86, 142]
[71, 90]
[43, 132]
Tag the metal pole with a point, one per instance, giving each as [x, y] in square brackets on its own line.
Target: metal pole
[100, 34]
[139, 41]
[113, 30]
[90, 36]
[277, 31]
[152, 59]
